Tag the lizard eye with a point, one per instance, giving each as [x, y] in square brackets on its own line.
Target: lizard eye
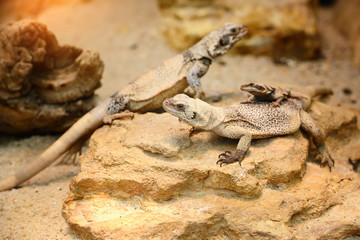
[180, 107]
[234, 30]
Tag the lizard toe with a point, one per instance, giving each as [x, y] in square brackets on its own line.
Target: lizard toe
[230, 157]
[225, 154]
[325, 158]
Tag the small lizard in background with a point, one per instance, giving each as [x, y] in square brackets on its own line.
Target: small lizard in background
[146, 93]
[255, 120]
[264, 93]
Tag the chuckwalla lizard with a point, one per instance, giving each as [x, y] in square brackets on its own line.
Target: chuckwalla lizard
[146, 93]
[254, 120]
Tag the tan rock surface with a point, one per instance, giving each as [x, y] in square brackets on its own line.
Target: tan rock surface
[149, 178]
[276, 28]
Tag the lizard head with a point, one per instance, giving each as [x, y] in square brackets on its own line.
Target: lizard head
[223, 38]
[193, 111]
[257, 88]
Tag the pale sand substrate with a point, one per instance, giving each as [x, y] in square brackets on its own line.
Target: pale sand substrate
[126, 33]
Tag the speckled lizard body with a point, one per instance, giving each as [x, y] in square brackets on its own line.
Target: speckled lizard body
[146, 93]
[255, 120]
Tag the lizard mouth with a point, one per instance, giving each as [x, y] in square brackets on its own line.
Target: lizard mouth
[243, 30]
[167, 103]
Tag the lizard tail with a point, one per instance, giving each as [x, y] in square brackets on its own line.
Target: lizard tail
[88, 123]
[318, 90]
[314, 91]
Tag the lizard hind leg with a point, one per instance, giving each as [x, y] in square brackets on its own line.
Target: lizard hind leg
[118, 103]
[323, 154]
[116, 108]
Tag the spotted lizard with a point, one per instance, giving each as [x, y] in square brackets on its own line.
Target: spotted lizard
[146, 93]
[252, 120]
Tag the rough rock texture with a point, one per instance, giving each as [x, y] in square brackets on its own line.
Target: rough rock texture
[277, 28]
[43, 86]
[347, 21]
[149, 178]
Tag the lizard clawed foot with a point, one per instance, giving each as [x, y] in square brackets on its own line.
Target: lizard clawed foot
[195, 93]
[229, 157]
[323, 155]
[110, 118]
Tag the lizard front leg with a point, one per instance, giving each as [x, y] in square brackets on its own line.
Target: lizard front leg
[278, 101]
[309, 125]
[229, 157]
[251, 99]
[280, 97]
[283, 97]
[198, 70]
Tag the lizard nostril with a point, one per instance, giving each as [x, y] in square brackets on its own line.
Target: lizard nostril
[244, 29]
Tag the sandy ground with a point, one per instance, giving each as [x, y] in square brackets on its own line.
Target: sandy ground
[126, 33]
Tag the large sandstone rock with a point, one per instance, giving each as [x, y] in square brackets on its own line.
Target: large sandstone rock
[149, 178]
[276, 28]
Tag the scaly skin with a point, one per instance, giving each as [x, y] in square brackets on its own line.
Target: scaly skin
[249, 121]
[146, 93]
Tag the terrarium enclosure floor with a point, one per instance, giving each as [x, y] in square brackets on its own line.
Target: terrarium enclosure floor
[126, 33]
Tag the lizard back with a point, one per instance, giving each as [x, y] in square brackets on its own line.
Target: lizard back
[264, 120]
[162, 81]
